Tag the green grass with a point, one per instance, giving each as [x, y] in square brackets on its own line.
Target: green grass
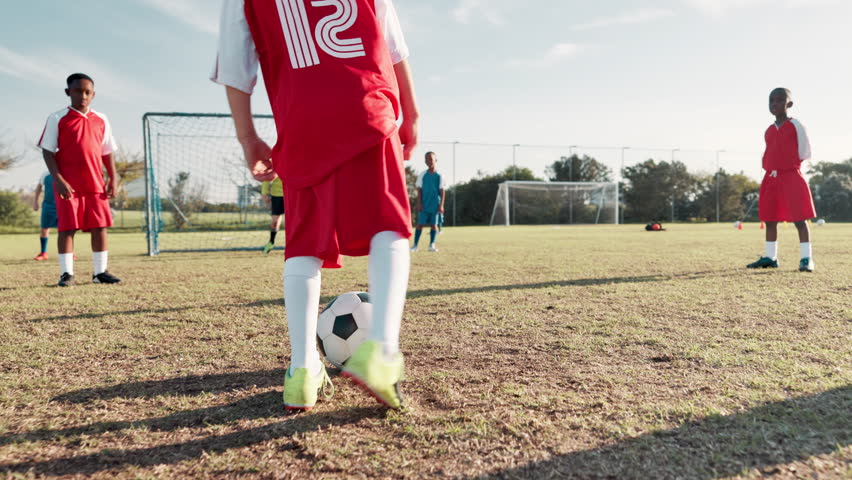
[532, 352]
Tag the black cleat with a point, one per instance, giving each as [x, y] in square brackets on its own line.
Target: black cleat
[105, 277]
[66, 280]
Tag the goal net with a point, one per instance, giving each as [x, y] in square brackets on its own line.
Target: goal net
[554, 203]
[199, 195]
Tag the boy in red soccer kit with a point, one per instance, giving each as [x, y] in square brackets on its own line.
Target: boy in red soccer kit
[77, 144]
[784, 192]
[337, 78]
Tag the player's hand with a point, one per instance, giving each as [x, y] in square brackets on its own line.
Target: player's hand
[441, 210]
[63, 189]
[258, 159]
[267, 199]
[408, 138]
[111, 189]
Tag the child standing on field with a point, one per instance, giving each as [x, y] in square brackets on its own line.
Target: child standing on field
[784, 192]
[273, 194]
[77, 144]
[48, 212]
[337, 78]
[430, 201]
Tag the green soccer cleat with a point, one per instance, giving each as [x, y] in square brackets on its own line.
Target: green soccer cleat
[268, 247]
[372, 372]
[764, 262]
[301, 391]
[806, 265]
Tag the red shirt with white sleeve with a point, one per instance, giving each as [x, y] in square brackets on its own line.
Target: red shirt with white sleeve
[79, 140]
[787, 146]
[328, 70]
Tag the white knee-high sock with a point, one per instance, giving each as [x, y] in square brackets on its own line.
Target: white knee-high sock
[302, 281]
[805, 249]
[388, 270]
[66, 263]
[772, 250]
[99, 262]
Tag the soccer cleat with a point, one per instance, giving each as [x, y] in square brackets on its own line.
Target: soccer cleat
[764, 262]
[66, 280]
[372, 372]
[806, 265]
[414, 249]
[268, 247]
[41, 256]
[433, 248]
[301, 390]
[105, 277]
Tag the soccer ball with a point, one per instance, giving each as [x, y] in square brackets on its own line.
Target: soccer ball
[343, 325]
[821, 222]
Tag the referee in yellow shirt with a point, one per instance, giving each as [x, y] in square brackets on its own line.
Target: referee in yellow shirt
[273, 195]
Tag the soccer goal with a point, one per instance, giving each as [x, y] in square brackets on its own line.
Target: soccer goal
[199, 195]
[555, 203]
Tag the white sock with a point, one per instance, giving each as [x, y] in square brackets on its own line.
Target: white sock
[772, 250]
[806, 249]
[99, 262]
[389, 264]
[66, 263]
[302, 281]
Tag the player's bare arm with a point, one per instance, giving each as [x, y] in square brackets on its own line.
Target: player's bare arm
[36, 194]
[257, 152]
[62, 187]
[410, 114]
[112, 182]
[443, 196]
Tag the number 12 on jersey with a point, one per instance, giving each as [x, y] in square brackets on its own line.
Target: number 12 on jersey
[302, 42]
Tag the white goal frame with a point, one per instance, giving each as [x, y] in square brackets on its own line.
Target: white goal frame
[505, 189]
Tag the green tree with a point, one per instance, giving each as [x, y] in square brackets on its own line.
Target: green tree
[831, 186]
[578, 169]
[654, 189]
[476, 197]
[129, 167]
[734, 193]
[8, 159]
[13, 211]
[411, 187]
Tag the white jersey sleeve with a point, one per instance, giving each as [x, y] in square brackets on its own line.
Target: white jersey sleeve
[236, 58]
[419, 182]
[109, 144]
[50, 136]
[804, 141]
[392, 30]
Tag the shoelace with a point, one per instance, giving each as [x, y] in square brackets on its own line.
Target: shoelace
[327, 387]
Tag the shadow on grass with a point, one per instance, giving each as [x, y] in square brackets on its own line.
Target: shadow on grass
[189, 385]
[718, 446]
[110, 459]
[154, 311]
[580, 282]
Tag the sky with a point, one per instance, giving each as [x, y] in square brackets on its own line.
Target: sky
[678, 79]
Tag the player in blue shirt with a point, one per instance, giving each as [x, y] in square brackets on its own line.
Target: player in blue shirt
[48, 211]
[430, 194]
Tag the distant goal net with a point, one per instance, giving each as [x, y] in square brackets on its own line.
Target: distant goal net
[199, 195]
[555, 203]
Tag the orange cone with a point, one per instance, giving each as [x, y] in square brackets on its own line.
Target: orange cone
[762, 225]
[739, 225]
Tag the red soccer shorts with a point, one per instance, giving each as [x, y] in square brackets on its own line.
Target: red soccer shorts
[785, 197]
[341, 214]
[85, 211]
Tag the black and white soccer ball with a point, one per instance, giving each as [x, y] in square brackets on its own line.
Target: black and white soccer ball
[343, 325]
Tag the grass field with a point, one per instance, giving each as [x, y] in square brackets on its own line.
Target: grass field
[532, 352]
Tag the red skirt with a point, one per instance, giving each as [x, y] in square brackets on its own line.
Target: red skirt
[83, 211]
[341, 214]
[786, 198]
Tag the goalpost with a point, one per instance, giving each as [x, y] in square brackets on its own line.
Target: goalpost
[199, 195]
[555, 203]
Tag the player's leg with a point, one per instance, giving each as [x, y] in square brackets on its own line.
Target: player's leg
[311, 245]
[417, 233]
[806, 262]
[433, 234]
[65, 247]
[377, 365]
[97, 217]
[43, 237]
[770, 210]
[277, 210]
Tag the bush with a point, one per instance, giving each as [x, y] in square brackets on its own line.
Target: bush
[13, 211]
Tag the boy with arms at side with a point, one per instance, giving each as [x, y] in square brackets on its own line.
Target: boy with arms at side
[336, 89]
[784, 193]
[77, 144]
[273, 195]
[48, 212]
[430, 199]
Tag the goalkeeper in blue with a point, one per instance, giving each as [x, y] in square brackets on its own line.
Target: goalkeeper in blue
[430, 202]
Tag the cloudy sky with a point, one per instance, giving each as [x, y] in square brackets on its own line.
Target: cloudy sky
[680, 78]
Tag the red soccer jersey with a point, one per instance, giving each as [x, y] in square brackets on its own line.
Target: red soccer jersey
[787, 146]
[329, 74]
[79, 141]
